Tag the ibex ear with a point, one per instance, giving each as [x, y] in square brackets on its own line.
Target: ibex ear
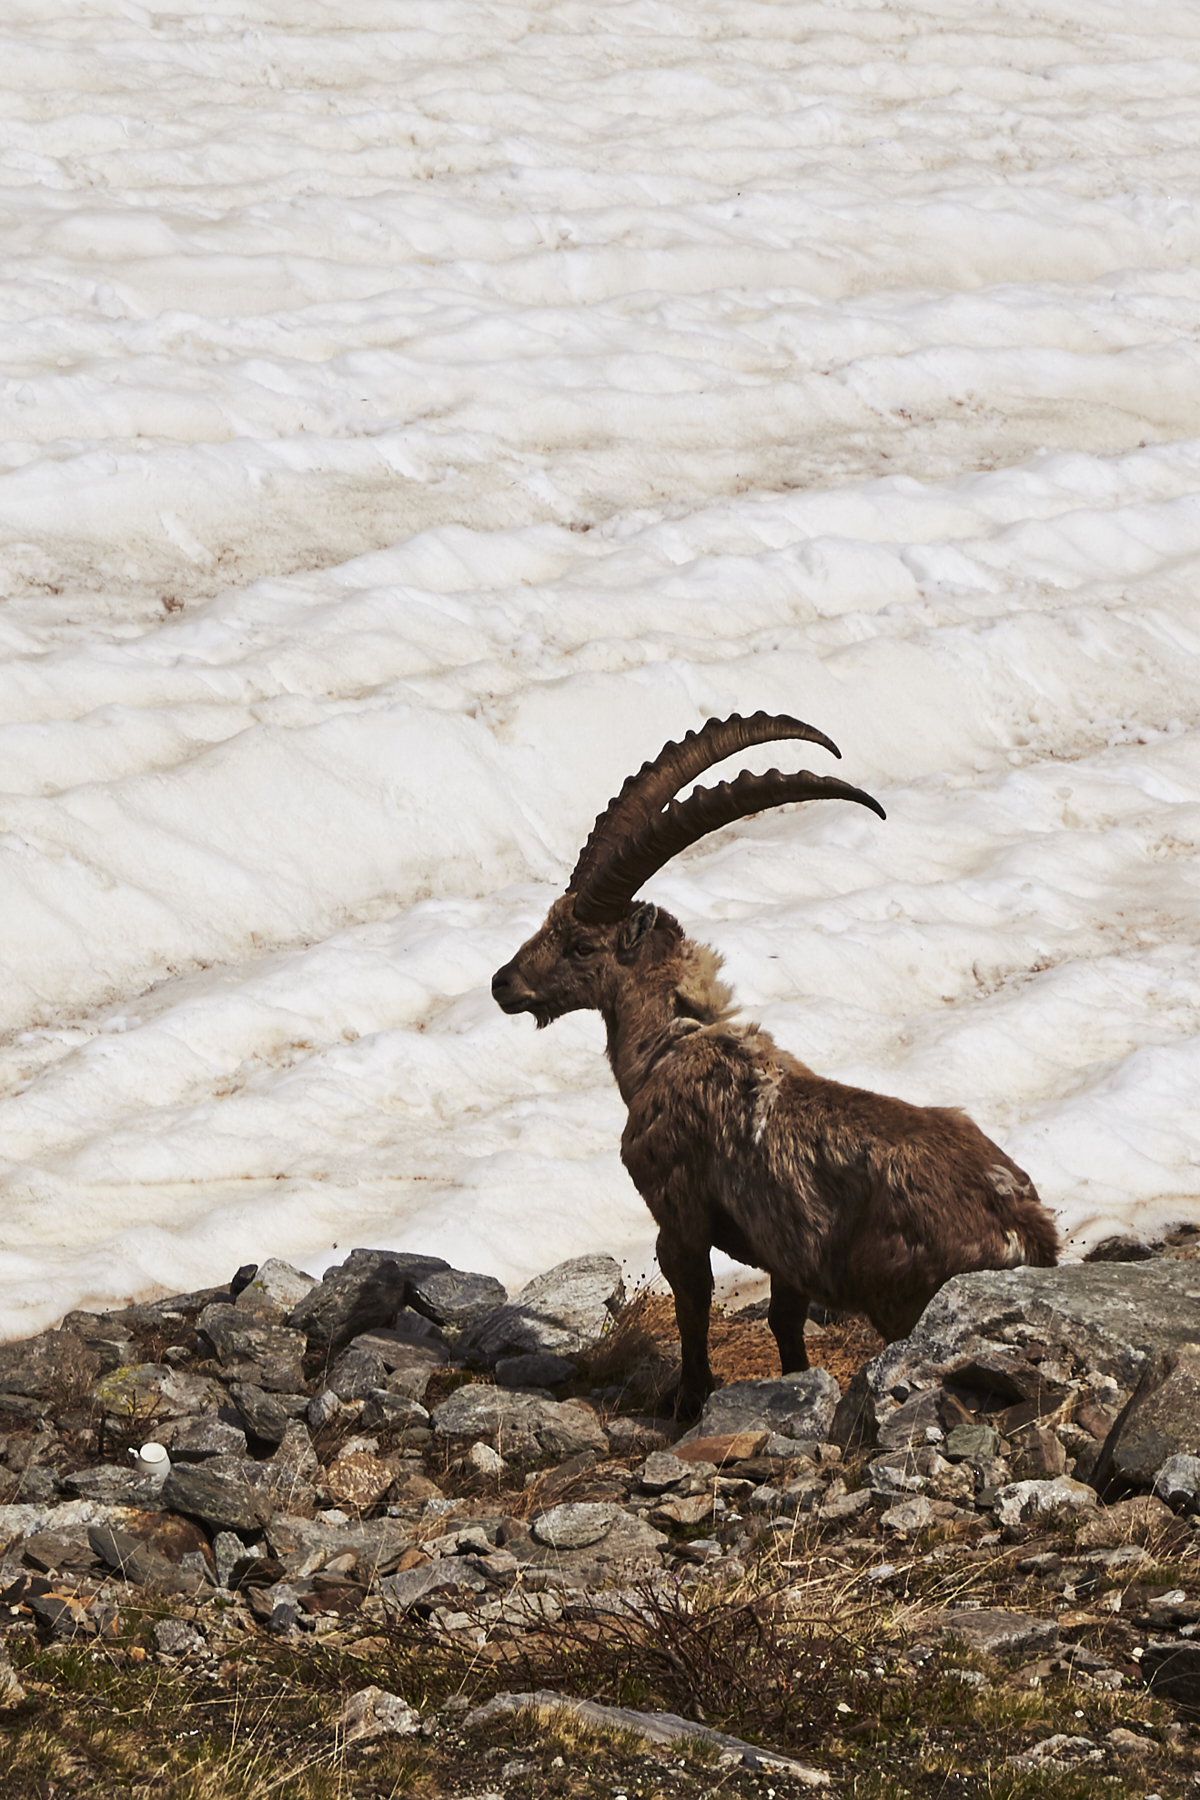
[634, 928]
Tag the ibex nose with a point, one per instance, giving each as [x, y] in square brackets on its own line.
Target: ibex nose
[503, 987]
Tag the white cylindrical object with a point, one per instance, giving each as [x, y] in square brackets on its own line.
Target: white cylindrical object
[151, 1459]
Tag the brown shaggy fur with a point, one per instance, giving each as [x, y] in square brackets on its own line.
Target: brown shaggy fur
[862, 1202]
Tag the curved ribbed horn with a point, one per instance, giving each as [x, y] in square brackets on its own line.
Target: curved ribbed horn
[643, 796]
[642, 853]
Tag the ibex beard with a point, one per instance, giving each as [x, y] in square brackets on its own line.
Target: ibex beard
[859, 1201]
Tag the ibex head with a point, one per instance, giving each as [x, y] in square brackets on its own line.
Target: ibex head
[596, 934]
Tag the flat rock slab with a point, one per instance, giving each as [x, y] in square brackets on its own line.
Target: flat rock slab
[795, 1406]
[575, 1524]
[998, 1633]
[730, 1446]
[652, 1728]
[222, 1502]
[399, 1592]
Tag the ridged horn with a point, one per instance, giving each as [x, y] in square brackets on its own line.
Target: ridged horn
[643, 796]
[629, 845]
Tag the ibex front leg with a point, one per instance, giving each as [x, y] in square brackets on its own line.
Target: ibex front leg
[689, 1272]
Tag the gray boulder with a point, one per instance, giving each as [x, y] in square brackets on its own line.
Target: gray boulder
[368, 1289]
[1102, 1319]
[456, 1300]
[275, 1286]
[1162, 1418]
[560, 1312]
[222, 1500]
[796, 1406]
[520, 1427]
[1178, 1483]
[269, 1356]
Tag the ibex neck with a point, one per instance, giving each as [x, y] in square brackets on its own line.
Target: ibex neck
[640, 1026]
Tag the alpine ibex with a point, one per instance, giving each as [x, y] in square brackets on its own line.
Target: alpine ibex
[865, 1203]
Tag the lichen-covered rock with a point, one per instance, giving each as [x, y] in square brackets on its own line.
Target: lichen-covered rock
[49, 1366]
[559, 1312]
[147, 1391]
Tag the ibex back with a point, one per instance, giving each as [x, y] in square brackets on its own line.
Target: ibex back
[862, 1202]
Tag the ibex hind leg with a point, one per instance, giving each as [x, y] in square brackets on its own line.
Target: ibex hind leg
[786, 1315]
[689, 1272]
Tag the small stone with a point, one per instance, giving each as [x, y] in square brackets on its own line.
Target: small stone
[662, 1470]
[846, 1506]
[195, 1440]
[1039, 1454]
[275, 1284]
[1131, 1743]
[1135, 1520]
[219, 1500]
[11, 1691]
[635, 1437]
[358, 1481]
[967, 1441]
[229, 1550]
[1178, 1483]
[686, 1509]
[798, 1406]
[373, 1713]
[484, 1460]
[520, 1426]
[909, 1516]
[261, 1414]
[562, 1311]
[174, 1638]
[385, 1410]
[322, 1408]
[575, 1524]
[367, 1290]
[1020, 1500]
[269, 1355]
